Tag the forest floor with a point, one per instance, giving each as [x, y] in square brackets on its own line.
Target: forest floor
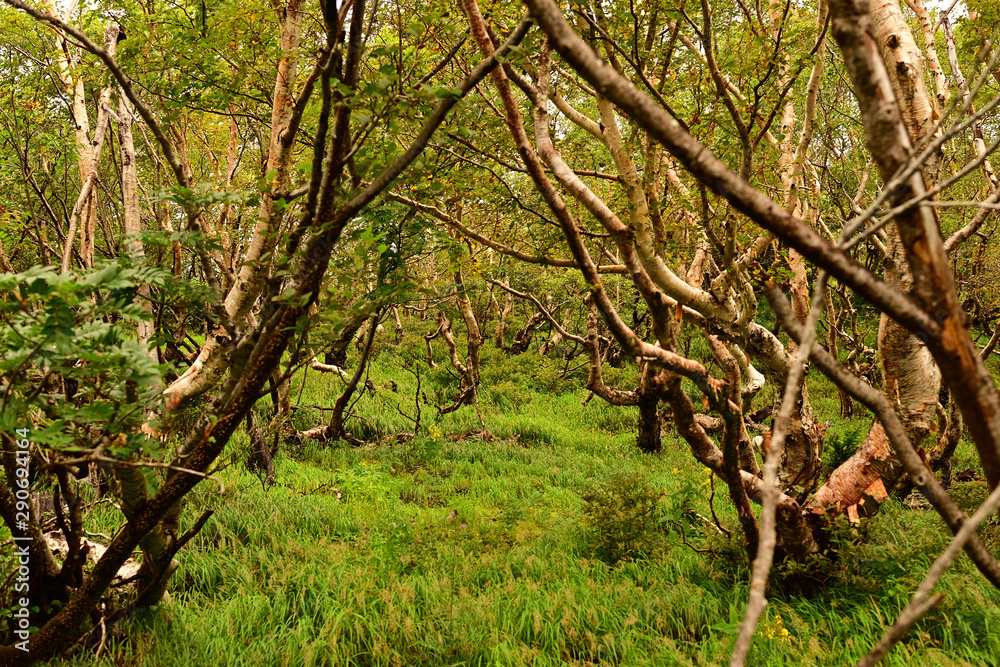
[555, 541]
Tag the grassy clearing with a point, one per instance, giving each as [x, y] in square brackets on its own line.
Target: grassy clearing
[455, 550]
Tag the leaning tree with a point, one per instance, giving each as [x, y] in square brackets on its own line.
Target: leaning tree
[350, 109]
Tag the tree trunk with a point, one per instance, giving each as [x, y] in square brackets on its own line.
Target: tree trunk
[336, 430]
[522, 341]
[213, 359]
[501, 320]
[648, 437]
[84, 215]
[398, 340]
[910, 376]
[337, 354]
[556, 336]
[846, 402]
[131, 216]
[155, 544]
[474, 336]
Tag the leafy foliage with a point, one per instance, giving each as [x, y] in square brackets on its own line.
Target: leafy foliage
[80, 326]
[842, 440]
[622, 511]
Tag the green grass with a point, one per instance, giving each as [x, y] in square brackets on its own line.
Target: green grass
[457, 550]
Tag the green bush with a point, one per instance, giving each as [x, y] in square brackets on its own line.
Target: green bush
[622, 512]
[842, 440]
[969, 496]
[548, 377]
[529, 371]
[626, 377]
[305, 418]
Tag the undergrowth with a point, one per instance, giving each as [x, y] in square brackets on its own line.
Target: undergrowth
[553, 542]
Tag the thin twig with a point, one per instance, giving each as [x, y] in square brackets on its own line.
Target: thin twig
[527, 295]
[132, 464]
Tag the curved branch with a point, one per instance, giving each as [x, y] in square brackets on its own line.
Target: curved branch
[699, 160]
[531, 297]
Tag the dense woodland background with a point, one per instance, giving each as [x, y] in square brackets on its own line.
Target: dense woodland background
[457, 333]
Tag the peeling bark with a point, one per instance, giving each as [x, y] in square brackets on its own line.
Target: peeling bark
[933, 64]
[978, 142]
[948, 338]
[131, 216]
[215, 354]
[904, 65]
[648, 395]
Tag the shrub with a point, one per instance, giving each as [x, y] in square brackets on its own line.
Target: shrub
[529, 371]
[548, 377]
[969, 496]
[305, 418]
[622, 513]
[626, 377]
[842, 440]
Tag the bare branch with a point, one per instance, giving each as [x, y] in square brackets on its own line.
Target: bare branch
[490, 243]
[531, 297]
[699, 160]
[123, 80]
